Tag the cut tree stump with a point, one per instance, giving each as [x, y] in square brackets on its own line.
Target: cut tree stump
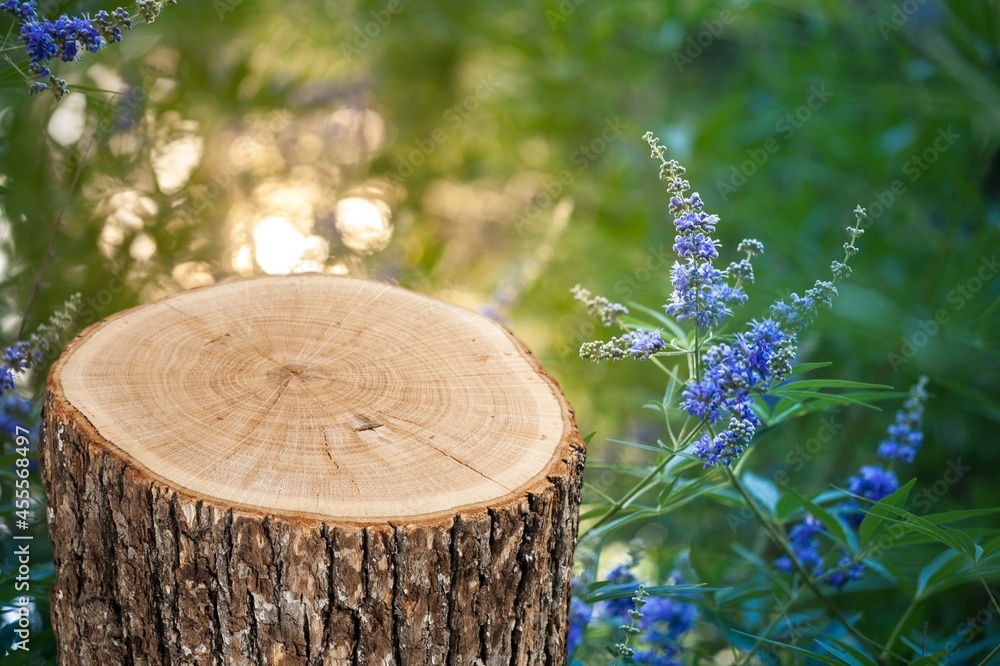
[308, 470]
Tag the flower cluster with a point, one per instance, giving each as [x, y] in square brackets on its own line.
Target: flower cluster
[68, 37]
[25, 354]
[872, 483]
[905, 437]
[639, 344]
[598, 306]
[757, 358]
[15, 412]
[731, 373]
[701, 292]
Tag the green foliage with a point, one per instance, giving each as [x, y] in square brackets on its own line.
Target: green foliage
[517, 204]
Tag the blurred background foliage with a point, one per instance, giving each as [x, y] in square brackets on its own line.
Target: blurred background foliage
[491, 154]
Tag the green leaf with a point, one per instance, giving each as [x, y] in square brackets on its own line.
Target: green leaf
[586, 440]
[786, 506]
[832, 383]
[881, 510]
[661, 319]
[847, 652]
[763, 490]
[926, 574]
[930, 659]
[794, 648]
[600, 493]
[953, 538]
[803, 368]
[955, 516]
[637, 445]
[661, 499]
[830, 521]
[818, 400]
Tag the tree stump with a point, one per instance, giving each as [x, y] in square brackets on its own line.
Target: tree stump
[308, 470]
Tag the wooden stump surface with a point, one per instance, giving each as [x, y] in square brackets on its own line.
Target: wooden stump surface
[308, 470]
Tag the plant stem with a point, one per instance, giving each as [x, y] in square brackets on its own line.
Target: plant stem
[59, 223]
[987, 662]
[897, 629]
[780, 541]
[636, 490]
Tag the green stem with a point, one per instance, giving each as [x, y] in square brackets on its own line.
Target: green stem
[770, 627]
[50, 249]
[780, 541]
[897, 629]
[987, 662]
[636, 490]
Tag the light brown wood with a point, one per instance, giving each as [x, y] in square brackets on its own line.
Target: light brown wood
[308, 470]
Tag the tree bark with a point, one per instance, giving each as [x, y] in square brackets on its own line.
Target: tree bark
[308, 470]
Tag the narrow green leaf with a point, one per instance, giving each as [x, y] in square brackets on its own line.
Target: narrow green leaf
[878, 512]
[661, 319]
[834, 383]
[929, 660]
[600, 493]
[955, 516]
[637, 445]
[661, 499]
[803, 368]
[830, 521]
[794, 648]
[847, 652]
[953, 538]
[763, 490]
[927, 573]
[825, 399]
[787, 505]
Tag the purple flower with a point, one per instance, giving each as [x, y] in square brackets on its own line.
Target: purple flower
[728, 445]
[805, 545]
[664, 621]
[731, 375]
[16, 357]
[37, 41]
[645, 343]
[847, 570]
[620, 575]
[580, 615]
[697, 246]
[701, 292]
[66, 38]
[14, 412]
[905, 436]
[873, 483]
[22, 11]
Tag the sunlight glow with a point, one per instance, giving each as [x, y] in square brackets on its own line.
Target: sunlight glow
[67, 122]
[363, 225]
[279, 245]
[174, 162]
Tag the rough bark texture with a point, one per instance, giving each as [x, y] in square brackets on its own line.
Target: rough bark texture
[148, 575]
